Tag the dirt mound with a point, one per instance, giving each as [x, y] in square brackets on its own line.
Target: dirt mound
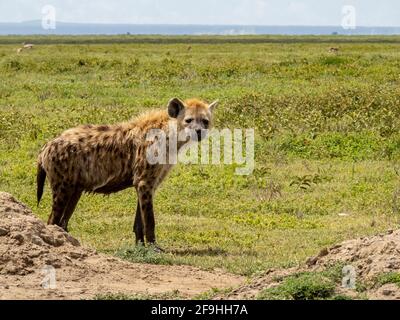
[41, 262]
[369, 256]
[374, 261]
[26, 244]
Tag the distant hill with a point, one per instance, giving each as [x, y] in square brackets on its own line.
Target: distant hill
[64, 28]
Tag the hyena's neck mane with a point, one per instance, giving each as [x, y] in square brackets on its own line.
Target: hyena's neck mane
[155, 119]
[142, 125]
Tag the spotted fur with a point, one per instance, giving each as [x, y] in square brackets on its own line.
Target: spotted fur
[109, 158]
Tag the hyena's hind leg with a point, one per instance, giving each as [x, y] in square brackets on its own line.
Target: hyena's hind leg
[138, 225]
[64, 203]
[74, 197]
[59, 203]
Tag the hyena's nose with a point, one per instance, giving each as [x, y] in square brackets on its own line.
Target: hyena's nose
[199, 134]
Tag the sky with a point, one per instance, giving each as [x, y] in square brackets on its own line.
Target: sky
[242, 12]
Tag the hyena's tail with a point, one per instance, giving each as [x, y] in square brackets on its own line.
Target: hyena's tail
[40, 178]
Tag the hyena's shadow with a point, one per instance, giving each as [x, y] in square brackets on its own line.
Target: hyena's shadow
[199, 252]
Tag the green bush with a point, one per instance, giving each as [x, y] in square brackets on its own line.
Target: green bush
[390, 277]
[303, 286]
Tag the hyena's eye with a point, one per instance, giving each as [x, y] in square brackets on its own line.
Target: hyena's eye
[189, 120]
[205, 122]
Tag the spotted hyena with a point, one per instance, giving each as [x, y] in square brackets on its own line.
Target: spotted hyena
[108, 158]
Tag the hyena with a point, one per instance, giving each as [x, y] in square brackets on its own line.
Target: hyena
[109, 158]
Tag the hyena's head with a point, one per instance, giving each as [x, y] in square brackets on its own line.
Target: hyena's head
[193, 116]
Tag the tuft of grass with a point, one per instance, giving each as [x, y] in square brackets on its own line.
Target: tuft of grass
[334, 60]
[173, 295]
[341, 297]
[302, 286]
[390, 277]
[334, 272]
[142, 254]
[361, 287]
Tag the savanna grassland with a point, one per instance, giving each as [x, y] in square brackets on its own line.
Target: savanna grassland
[327, 140]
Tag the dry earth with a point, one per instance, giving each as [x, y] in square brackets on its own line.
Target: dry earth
[369, 256]
[27, 246]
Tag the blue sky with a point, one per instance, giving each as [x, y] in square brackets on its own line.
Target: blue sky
[256, 12]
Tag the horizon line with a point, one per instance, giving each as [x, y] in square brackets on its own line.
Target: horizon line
[195, 24]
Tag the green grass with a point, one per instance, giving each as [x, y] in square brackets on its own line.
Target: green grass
[173, 295]
[316, 285]
[200, 39]
[305, 286]
[312, 285]
[390, 277]
[341, 297]
[327, 140]
[142, 254]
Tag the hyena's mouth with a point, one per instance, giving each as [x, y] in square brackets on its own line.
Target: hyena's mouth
[195, 134]
[199, 135]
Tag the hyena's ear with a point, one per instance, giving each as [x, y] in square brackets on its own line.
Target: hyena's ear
[213, 105]
[175, 106]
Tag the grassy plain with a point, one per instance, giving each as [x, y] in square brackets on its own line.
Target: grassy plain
[327, 140]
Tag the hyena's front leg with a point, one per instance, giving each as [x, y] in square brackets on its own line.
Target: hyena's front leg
[145, 196]
[138, 225]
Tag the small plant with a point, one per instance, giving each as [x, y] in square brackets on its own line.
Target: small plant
[302, 286]
[395, 201]
[361, 287]
[142, 254]
[259, 176]
[306, 181]
[173, 295]
[302, 182]
[390, 277]
[341, 297]
[273, 190]
[265, 189]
